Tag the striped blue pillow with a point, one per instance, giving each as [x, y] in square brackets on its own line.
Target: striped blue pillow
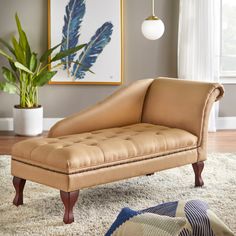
[201, 221]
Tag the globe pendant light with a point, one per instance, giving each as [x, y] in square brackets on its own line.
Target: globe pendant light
[153, 27]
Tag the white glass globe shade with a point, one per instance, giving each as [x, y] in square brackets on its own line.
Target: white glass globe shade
[153, 29]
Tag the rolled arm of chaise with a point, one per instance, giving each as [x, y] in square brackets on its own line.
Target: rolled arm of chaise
[216, 94]
[123, 107]
[182, 104]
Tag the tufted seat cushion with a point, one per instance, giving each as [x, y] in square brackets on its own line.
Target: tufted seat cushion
[99, 149]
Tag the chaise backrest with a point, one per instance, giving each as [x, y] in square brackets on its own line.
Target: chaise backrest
[180, 103]
[170, 102]
[124, 107]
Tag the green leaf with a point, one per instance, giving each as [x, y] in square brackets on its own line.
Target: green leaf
[18, 23]
[8, 75]
[45, 56]
[8, 88]
[18, 51]
[43, 78]
[65, 53]
[22, 67]
[23, 40]
[27, 50]
[7, 45]
[33, 62]
[6, 55]
[12, 65]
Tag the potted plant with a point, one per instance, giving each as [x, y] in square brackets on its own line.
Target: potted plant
[25, 74]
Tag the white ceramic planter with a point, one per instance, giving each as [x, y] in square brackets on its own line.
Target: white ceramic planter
[28, 122]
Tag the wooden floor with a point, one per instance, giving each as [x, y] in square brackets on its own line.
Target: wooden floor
[8, 139]
[221, 141]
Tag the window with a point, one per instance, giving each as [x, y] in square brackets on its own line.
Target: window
[228, 40]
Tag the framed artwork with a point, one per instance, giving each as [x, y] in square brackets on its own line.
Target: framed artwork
[99, 25]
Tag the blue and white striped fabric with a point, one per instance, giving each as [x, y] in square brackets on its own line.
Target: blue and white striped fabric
[201, 221]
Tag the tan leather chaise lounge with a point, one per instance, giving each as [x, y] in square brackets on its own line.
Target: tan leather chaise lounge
[148, 126]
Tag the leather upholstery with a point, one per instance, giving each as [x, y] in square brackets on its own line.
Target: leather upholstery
[83, 152]
[182, 104]
[69, 183]
[124, 107]
[178, 103]
[145, 127]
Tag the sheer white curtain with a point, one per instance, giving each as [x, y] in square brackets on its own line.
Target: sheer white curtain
[199, 43]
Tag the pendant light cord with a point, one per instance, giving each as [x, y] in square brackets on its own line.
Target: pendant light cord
[153, 8]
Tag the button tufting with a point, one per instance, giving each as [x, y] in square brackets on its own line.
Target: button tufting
[77, 141]
[88, 150]
[93, 144]
[68, 145]
[119, 132]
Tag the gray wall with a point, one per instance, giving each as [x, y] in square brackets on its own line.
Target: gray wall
[227, 104]
[143, 58]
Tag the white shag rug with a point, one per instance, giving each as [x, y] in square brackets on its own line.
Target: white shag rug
[97, 207]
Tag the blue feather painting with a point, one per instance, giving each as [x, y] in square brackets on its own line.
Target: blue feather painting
[91, 52]
[73, 18]
[97, 24]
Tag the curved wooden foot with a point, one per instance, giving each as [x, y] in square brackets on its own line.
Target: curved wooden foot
[69, 199]
[198, 168]
[19, 185]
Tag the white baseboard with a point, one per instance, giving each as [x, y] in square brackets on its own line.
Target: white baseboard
[6, 124]
[226, 123]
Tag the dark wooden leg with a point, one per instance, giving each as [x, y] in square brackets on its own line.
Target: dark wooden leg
[198, 168]
[150, 174]
[69, 199]
[19, 185]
